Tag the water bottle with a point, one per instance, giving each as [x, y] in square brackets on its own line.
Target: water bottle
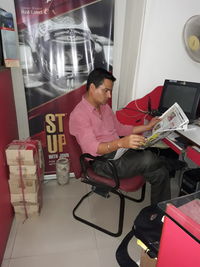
[62, 171]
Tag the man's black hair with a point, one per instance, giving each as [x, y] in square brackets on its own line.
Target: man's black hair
[97, 77]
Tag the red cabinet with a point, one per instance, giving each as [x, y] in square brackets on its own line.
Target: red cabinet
[180, 239]
[8, 132]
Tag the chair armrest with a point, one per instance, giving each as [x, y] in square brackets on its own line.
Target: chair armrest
[84, 166]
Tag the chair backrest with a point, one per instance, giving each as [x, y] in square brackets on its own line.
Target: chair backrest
[73, 149]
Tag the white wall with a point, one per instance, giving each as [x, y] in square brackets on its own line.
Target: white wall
[134, 18]
[153, 48]
[119, 21]
[18, 85]
[163, 55]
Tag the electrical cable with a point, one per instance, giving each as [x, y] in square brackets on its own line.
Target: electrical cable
[139, 109]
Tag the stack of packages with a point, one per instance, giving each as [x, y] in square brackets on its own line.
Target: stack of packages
[26, 175]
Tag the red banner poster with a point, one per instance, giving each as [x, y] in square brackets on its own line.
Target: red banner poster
[60, 43]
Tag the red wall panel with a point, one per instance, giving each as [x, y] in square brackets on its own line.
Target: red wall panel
[8, 132]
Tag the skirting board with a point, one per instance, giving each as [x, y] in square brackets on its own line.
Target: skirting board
[53, 176]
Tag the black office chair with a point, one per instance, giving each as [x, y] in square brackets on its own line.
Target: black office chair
[101, 185]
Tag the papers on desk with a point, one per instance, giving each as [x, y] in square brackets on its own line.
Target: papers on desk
[173, 119]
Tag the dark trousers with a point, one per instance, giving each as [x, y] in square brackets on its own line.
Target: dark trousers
[140, 162]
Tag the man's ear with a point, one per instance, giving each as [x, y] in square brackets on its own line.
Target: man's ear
[92, 87]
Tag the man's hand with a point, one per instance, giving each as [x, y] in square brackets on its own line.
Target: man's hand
[132, 141]
[143, 128]
[152, 123]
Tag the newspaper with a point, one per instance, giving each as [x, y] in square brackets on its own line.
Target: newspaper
[120, 152]
[172, 119]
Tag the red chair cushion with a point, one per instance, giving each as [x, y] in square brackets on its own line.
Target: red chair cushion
[127, 184]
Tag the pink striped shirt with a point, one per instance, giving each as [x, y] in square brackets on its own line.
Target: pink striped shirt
[92, 128]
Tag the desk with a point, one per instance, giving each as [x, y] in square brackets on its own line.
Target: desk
[180, 240]
[192, 135]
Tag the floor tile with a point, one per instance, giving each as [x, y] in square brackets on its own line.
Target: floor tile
[55, 238]
[105, 212]
[107, 257]
[55, 230]
[5, 263]
[85, 258]
[11, 239]
[74, 189]
[131, 211]
[134, 250]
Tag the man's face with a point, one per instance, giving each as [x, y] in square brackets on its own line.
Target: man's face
[103, 92]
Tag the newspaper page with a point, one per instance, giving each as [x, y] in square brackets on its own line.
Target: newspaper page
[172, 119]
[120, 152]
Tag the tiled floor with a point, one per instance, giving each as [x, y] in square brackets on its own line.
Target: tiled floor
[55, 239]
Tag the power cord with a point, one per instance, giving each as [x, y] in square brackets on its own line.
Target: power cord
[150, 111]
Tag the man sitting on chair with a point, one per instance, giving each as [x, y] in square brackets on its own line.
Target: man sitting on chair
[97, 131]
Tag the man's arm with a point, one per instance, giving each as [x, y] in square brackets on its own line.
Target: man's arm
[143, 128]
[133, 141]
[124, 130]
[81, 129]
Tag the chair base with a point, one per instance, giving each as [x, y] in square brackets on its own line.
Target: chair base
[121, 215]
[142, 196]
[121, 211]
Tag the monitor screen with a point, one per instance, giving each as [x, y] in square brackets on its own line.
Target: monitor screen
[186, 94]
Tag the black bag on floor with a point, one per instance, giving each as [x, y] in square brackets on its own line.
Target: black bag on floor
[147, 227]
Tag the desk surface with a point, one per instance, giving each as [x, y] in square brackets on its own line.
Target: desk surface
[192, 133]
[192, 149]
[185, 211]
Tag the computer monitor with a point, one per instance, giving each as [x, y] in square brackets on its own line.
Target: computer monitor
[186, 94]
